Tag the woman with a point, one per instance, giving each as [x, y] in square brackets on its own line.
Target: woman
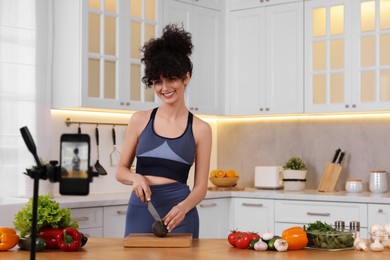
[166, 141]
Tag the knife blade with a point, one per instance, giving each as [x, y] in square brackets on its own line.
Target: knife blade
[153, 211]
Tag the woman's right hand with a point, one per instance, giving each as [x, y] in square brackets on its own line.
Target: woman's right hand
[141, 188]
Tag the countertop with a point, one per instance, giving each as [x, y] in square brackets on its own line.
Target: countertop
[112, 248]
[112, 199]
[121, 198]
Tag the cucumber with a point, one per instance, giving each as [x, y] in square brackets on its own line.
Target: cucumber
[25, 244]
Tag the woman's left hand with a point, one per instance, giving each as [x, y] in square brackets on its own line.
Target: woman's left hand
[174, 217]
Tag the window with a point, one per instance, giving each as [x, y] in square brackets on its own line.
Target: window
[24, 93]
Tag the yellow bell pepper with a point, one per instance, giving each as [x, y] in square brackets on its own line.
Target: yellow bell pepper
[8, 238]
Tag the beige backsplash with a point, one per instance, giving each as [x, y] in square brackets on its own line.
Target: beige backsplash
[244, 144]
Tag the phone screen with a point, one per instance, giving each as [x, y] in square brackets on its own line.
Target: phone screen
[75, 157]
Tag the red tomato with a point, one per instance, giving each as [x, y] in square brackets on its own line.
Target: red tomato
[254, 235]
[243, 240]
[232, 237]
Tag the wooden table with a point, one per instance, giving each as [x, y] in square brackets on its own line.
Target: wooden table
[112, 248]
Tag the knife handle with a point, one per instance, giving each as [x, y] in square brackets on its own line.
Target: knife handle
[341, 157]
[336, 154]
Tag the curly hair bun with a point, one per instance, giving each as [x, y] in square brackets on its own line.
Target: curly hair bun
[177, 40]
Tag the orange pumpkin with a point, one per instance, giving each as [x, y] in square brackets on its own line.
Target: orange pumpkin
[8, 238]
[296, 238]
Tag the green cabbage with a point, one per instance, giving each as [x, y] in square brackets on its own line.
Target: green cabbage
[49, 214]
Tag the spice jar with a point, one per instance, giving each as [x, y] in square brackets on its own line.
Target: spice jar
[354, 185]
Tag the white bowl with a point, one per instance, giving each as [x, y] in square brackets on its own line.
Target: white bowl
[354, 185]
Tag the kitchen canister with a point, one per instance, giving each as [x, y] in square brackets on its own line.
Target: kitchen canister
[378, 181]
[353, 185]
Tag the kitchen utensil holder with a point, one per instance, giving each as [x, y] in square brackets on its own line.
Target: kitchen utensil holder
[69, 122]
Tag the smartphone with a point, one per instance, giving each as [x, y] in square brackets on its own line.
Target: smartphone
[74, 164]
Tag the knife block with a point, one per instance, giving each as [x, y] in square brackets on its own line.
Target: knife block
[329, 178]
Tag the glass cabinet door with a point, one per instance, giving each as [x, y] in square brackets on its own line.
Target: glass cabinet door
[103, 53]
[143, 27]
[327, 57]
[373, 59]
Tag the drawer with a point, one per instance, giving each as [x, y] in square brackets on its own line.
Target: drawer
[304, 212]
[88, 217]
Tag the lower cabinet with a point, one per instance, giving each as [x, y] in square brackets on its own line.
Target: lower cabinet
[290, 213]
[253, 215]
[378, 214]
[214, 218]
[114, 219]
[90, 220]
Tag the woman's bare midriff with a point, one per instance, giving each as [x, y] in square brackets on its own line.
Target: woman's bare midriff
[155, 180]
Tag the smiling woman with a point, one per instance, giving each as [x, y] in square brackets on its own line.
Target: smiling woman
[24, 99]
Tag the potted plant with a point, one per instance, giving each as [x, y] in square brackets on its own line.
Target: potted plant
[294, 174]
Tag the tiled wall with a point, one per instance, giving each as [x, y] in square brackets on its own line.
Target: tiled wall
[244, 144]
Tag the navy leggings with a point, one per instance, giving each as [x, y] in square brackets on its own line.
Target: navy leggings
[164, 198]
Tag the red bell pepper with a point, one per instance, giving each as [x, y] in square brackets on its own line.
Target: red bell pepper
[50, 236]
[69, 239]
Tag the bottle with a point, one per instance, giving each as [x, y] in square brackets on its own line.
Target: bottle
[354, 226]
[339, 225]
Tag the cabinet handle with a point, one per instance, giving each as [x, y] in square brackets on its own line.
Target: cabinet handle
[380, 210]
[346, 106]
[267, 109]
[261, 109]
[354, 105]
[127, 103]
[208, 205]
[318, 214]
[121, 212]
[252, 204]
[81, 219]
[121, 103]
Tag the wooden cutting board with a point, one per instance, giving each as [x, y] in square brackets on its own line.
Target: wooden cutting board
[150, 240]
[215, 188]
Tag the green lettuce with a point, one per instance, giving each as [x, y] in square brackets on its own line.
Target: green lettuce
[49, 214]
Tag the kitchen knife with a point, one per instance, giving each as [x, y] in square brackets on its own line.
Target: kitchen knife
[153, 211]
[341, 157]
[336, 155]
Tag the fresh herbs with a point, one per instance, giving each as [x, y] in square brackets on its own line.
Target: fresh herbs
[323, 235]
[49, 214]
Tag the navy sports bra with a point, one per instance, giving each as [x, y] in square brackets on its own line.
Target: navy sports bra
[165, 157]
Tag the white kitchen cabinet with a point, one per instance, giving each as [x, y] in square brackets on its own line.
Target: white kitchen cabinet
[347, 56]
[90, 220]
[246, 4]
[213, 218]
[212, 4]
[204, 94]
[378, 214]
[253, 215]
[290, 213]
[266, 63]
[96, 57]
[114, 221]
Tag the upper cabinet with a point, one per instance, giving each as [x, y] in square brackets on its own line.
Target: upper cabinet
[96, 53]
[347, 56]
[204, 94]
[246, 4]
[266, 60]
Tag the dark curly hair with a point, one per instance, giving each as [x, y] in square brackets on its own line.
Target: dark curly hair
[167, 56]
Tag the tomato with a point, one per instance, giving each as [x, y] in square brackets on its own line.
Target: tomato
[232, 237]
[243, 240]
[254, 235]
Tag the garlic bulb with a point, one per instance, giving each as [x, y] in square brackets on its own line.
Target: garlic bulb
[281, 245]
[260, 246]
[267, 235]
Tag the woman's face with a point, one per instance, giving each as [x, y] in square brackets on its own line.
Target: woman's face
[170, 90]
